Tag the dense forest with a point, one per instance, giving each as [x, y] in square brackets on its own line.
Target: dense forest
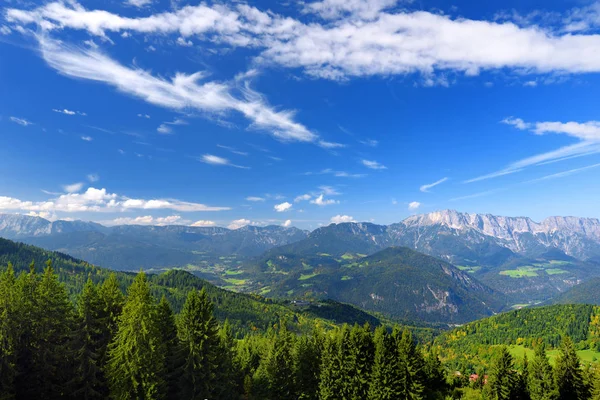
[133, 345]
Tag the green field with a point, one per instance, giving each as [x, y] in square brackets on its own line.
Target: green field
[556, 271]
[586, 356]
[348, 256]
[234, 272]
[468, 268]
[235, 281]
[308, 276]
[521, 272]
[346, 278]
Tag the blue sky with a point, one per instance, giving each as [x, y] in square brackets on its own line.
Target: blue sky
[299, 114]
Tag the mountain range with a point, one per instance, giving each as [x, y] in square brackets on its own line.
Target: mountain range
[527, 260]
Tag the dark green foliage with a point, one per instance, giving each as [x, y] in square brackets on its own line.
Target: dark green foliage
[502, 377]
[198, 334]
[307, 363]
[540, 376]
[568, 375]
[173, 352]
[136, 356]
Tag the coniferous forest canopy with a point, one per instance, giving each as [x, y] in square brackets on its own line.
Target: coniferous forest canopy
[71, 330]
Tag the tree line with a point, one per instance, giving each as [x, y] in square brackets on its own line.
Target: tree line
[110, 345]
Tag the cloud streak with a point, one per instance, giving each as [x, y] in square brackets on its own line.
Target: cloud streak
[425, 188]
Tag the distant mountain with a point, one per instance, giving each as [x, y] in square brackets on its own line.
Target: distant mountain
[129, 247]
[398, 282]
[587, 292]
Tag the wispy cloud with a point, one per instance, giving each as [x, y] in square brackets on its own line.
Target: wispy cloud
[287, 223]
[255, 198]
[425, 188]
[373, 164]
[321, 201]
[330, 145]
[148, 220]
[239, 223]
[69, 112]
[563, 174]
[93, 178]
[203, 223]
[302, 197]
[21, 121]
[337, 174]
[87, 138]
[588, 134]
[73, 188]
[232, 150]
[369, 142]
[144, 116]
[476, 195]
[216, 160]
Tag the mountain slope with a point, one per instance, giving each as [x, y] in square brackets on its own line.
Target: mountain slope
[585, 293]
[245, 312]
[397, 282]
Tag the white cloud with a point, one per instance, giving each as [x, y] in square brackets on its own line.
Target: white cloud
[340, 219]
[179, 93]
[414, 205]
[148, 220]
[321, 201]
[99, 200]
[93, 178]
[370, 142]
[283, 207]
[69, 112]
[138, 3]
[303, 197]
[564, 173]
[21, 121]
[233, 150]
[588, 134]
[43, 214]
[87, 138]
[5, 30]
[255, 198]
[144, 116]
[358, 38]
[203, 223]
[337, 174]
[373, 164]
[74, 187]
[287, 223]
[164, 129]
[216, 160]
[329, 191]
[185, 43]
[239, 223]
[330, 145]
[425, 188]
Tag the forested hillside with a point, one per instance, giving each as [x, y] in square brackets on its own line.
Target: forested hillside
[244, 312]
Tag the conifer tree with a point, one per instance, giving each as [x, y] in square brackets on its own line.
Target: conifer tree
[276, 370]
[330, 382]
[540, 379]
[568, 375]
[8, 333]
[362, 353]
[172, 349]
[307, 359]
[435, 376]
[136, 355]
[502, 376]
[112, 301]
[386, 375]
[410, 364]
[89, 378]
[198, 333]
[227, 374]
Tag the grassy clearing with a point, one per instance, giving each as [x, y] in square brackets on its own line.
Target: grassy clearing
[586, 356]
[308, 276]
[348, 256]
[521, 272]
[471, 269]
[234, 272]
[556, 271]
[235, 281]
[265, 290]
[306, 266]
[346, 278]
[324, 254]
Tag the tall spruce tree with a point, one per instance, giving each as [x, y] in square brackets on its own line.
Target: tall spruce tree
[386, 376]
[276, 370]
[172, 348]
[198, 332]
[8, 333]
[361, 356]
[410, 363]
[568, 375]
[227, 374]
[435, 384]
[501, 381]
[331, 379]
[136, 359]
[307, 359]
[89, 380]
[540, 380]
[112, 301]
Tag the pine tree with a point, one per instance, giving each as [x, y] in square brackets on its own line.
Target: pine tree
[386, 375]
[136, 355]
[540, 376]
[567, 373]
[198, 333]
[227, 374]
[112, 301]
[307, 360]
[8, 333]
[52, 336]
[330, 382]
[276, 370]
[362, 353]
[172, 349]
[410, 367]
[90, 382]
[502, 376]
[435, 376]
